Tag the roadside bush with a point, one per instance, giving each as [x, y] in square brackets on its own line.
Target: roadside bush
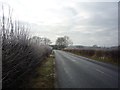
[19, 54]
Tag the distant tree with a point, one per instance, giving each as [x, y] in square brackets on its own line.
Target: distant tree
[95, 46]
[41, 41]
[35, 39]
[63, 42]
[46, 41]
[68, 41]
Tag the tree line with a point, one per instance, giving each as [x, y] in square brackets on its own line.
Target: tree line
[61, 42]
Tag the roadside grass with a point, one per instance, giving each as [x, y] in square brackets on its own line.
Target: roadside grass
[105, 59]
[44, 75]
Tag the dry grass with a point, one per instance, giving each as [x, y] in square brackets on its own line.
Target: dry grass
[44, 77]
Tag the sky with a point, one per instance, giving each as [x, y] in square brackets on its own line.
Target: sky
[86, 22]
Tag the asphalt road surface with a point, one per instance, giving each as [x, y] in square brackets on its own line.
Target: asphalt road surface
[74, 71]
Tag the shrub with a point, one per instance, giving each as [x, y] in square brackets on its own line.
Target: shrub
[19, 54]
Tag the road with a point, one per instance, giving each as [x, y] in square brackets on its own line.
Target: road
[74, 71]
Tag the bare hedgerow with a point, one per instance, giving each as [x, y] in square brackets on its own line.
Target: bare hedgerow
[110, 56]
[19, 54]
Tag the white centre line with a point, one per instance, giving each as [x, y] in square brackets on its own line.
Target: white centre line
[100, 71]
[103, 72]
[74, 60]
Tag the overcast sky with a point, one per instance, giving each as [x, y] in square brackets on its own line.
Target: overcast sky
[86, 23]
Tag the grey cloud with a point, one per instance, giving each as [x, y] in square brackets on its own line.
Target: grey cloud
[101, 28]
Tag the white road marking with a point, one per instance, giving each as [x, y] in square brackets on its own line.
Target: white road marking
[100, 71]
[74, 60]
[103, 72]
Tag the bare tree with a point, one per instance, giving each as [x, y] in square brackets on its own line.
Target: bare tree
[63, 42]
[41, 41]
[47, 41]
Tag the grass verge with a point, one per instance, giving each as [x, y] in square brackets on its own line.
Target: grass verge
[44, 75]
